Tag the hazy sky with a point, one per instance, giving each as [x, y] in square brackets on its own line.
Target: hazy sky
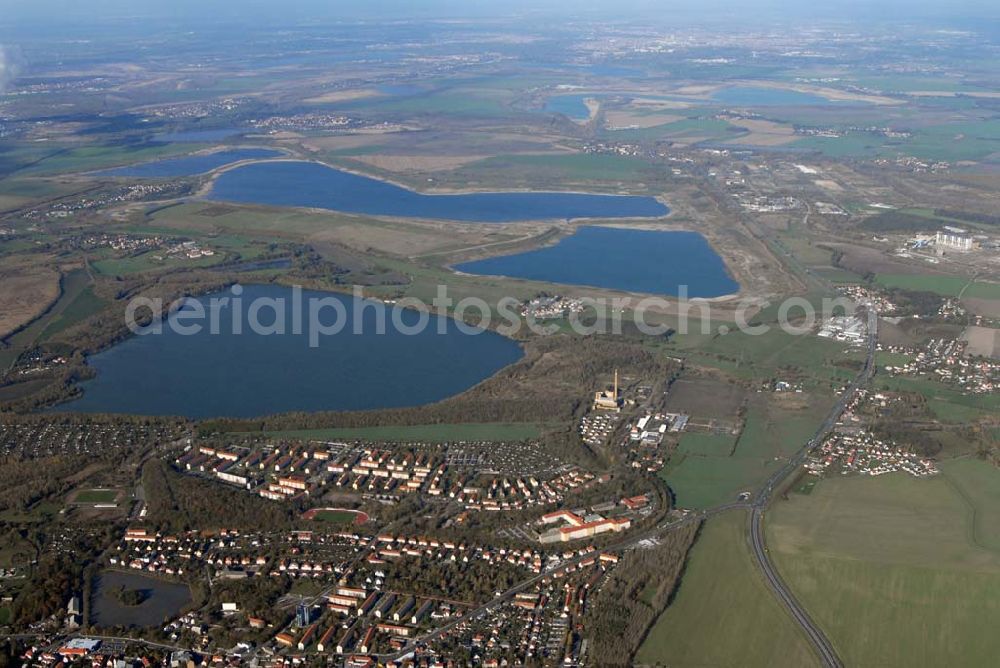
[294, 10]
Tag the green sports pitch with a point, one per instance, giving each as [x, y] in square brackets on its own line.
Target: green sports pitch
[95, 496]
[336, 516]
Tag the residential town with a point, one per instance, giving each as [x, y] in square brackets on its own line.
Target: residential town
[499, 334]
[947, 361]
[855, 450]
[281, 472]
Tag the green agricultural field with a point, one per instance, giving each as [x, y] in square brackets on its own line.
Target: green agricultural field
[703, 482]
[838, 276]
[808, 256]
[954, 413]
[82, 307]
[804, 250]
[713, 445]
[487, 431]
[198, 219]
[425, 281]
[591, 167]
[34, 189]
[949, 404]
[74, 283]
[18, 155]
[723, 613]
[96, 496]
[460, 102]
[898, 571]
[91, 158]
[246, 248]
[955, 141]
[11, 246]
[950, 142]
[884, 358]
[806, 485]
[848, 146]
[767, 355]
[652, 133]
[772, 431]
[374, 149]
[247, 231]
[703, 129]
[699, 127]
[978, 483]
[946, 286]
[705, 477]
[11, 202]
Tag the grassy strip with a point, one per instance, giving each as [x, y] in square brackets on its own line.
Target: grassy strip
[723, 614]
[899, 571]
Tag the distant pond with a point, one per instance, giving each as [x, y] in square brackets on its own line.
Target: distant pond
[632, 260]
[309, 184]
[191, 164]
[161, 600]
[572, 106]
[239, 373]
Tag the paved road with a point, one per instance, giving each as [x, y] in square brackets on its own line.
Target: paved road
[134, 641]
[628, 543]
[428, 638]
[756, 505]
[60, 640]
[820, 642]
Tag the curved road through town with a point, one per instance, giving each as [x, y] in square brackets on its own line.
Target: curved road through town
[756, 505]
[820, 642]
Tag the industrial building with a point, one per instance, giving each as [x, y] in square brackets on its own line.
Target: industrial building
[609, 400]
[953, 238]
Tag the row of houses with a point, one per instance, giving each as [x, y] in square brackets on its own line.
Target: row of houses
[232, 555]
[540, 626]
[290, 472]
[391, 547]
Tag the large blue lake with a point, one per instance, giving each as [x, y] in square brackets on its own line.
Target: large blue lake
[248, 374]
[190, 164]
[620, 259]
[308, 184]
[572, 106]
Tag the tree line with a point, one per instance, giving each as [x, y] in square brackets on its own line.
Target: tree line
[176, 502]
[635, 593]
